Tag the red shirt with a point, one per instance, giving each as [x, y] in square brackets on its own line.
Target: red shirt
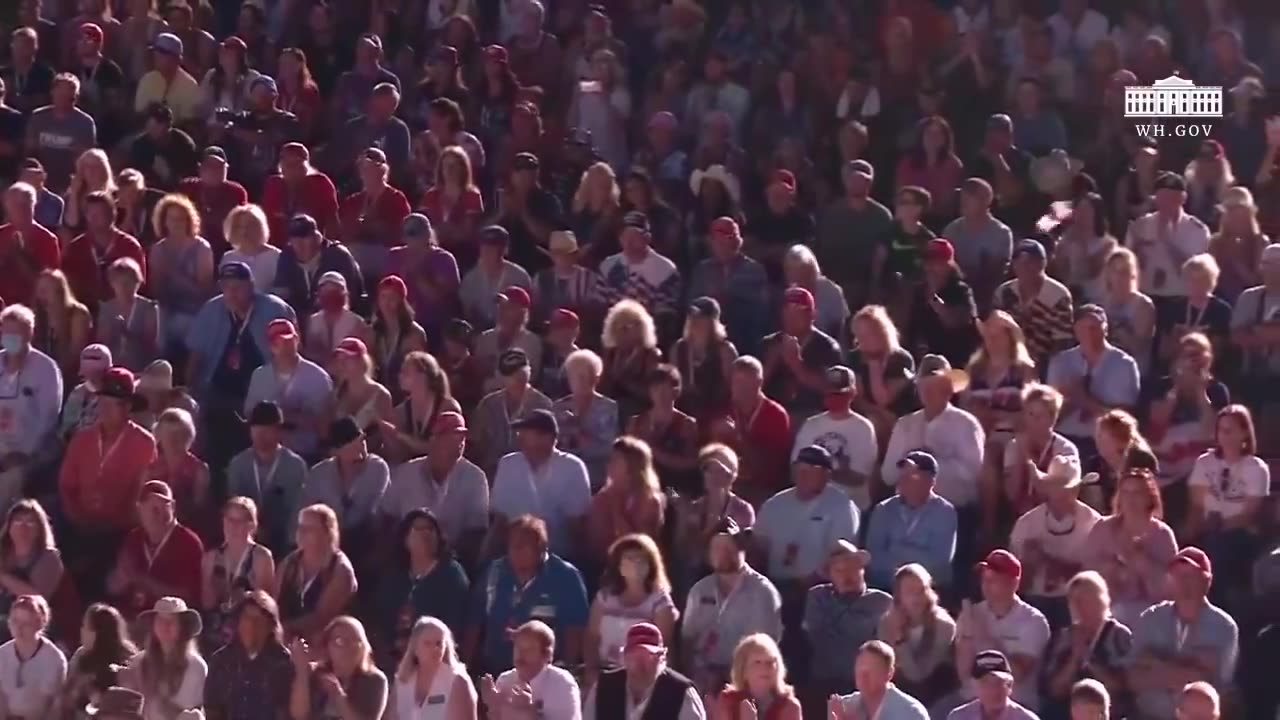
[437, 208]
[214, 202]
[376, 223]
[86, 268]
[315, 196]
[176, 565]
[98, 482]
[764, 444]
[20, 266]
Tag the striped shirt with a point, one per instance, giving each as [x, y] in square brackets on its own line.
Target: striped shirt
[1045, 319]
[654, 282]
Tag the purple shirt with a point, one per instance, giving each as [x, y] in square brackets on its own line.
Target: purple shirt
[439, 269]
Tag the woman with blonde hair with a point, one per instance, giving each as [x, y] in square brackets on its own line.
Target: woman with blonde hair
[232, 570]
[248, 233]
[631, 500]
[1238, 244]
[182, 268]
[1208, 176]
[630, 354]
[169, 671]
[93, 173]
[757, 686]
[64, 325]
[704, 356]
[1121, 448]
[355, 392]
[1131, 315]
[454, 204]
[633, 589]
[182, 470]
[998, 371]
[698, 518]
[344, 682]
[1199, 309]
[588, 420]
[1095, 645]
[316, 582]
[921, 632]
[596, 216]
[425, 386]
[430, 681]
[886, 372]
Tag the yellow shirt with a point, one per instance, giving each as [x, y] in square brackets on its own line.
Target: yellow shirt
[182, 95]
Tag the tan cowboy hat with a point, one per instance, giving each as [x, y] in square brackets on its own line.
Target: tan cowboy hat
[1054, 172]
[844, 548]
[938, 366]
[1063, 473]
[191, 623]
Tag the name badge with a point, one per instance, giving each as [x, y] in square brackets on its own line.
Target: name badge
[435, 700]
[543, 611]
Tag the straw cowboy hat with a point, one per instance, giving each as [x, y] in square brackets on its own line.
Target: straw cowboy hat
[1054, 172]
[1063, 473]
[939, 366]
[190, 619]
[720, 174]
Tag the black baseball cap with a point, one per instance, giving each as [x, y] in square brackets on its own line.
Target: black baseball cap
[920, 460]
[1170, 181]
[705, 307]
[815, 455]
[302, 225]
[525, 161]
[343, 431]
[214, 151]
[266, 413]
[512, 360]
[539, 420]
[235, 270]
[990, 662]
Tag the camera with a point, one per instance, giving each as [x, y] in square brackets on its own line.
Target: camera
[242, 119]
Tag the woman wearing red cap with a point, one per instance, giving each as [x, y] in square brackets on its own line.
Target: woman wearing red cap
[395, 332]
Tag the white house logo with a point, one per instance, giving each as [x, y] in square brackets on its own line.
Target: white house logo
[1173, 98]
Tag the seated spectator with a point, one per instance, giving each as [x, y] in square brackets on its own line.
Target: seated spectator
[874, 671]
[431, 674]
[634, 591]
[1093, 646]
[300, 389]
[1255, 338]
[495, 413]
[34, 247]
[128, 323]
[92, 175]
[164, 154]
[992, 675]
[588, 420]
[80, 411]
[884, 368]
[848, 437]
[840, 616]
[1198, 310]
[271, 476]
[493, 271]
[30, 680]
[713, 628]
[672, 435]
[533, 681]
[1199, 701]
[395, 333]
[1180, 411]
[1039, 304]
[757, 671]
[179, 468]
[30, 563]
[914, 526]
[231, 571]
[425, 579]
[531, 582]
[631, 501]
[159, 558]
[952, 435]
[169, 672]
[427, 394]
[1229, 484]
[101, 242]
[352, 481]
[895, 265]
[31, 385]
[136, 205]
[1094, 377]
[1005, 625]
[1180, 639]
[299, 189]
[1131, 315]
[510, 330]
[454, 204]
[596, 213]
[1164, 239]
[251, 674]
[559, 342]
[355, 393]
[561, 496]
[105, 649]
[216, 198]
[64, 325]
[49, 206]
[315, 583]
[704, 356]
[630, 354]
[344, 680]
[567, 284]
[249, 237]
[698, 515]
[309, 256]
[371, 218]
[182, 273]
[921, 632]
[1089, 699]
[334, 321]
[797, 356]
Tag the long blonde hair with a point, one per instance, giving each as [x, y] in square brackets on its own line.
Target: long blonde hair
[1021, 357]
[233, 226]
[599, 172]
[639, 459]
[99, 156]
[357, 628]
[748, 646]
[878, 316]
[622, 311]
[409, 663]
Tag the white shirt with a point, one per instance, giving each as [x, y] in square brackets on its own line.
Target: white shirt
[263, 264]
[33, 395]
[1076, 41]
[850, 440]
[461, 502]
[555, 693]
[1161, 251]
[190, 692]
[1061, 538]
[435, 706]
[29, 687]
[1021, 631]
[801, 533]
[954, 438]
[1230, 485]
[558, 493]
[690, 709]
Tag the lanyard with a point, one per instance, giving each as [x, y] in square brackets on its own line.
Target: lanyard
[745, 428]
[722, 603]
[150, 554]
[271, 473]
[105, 454]
[1182, 631]
[439, 491]
[913, 521]
[1199, 316]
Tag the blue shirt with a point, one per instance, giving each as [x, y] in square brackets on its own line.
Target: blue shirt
[896, 705]
[972, 710]
[898, 535]
[1159, 634]
[556, 596]
[49, 208]
[1113, 382]
[211, 329]
[800, 534]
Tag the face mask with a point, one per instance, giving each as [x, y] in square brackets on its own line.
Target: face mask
[12, 343]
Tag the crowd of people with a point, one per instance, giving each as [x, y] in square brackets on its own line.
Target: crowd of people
[513, 359]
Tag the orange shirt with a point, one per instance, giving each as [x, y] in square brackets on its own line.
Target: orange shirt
[99, 481]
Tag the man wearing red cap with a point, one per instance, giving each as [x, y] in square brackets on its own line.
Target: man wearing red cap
[102, 82]
[301, 388]
[782, 224]
[299, 188]
[213, 194]
[736, 281]
[560, 342]
[510, 331]
[645, 688]
[1003, 622]
[1182, 640]
[796, 357]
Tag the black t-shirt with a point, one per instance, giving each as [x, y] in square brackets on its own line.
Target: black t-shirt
[898, 366]
[905, 254]
[927, 332]
[95, 82]
[166, 162]
[29, 91]
[819, 352]
[774, 231]
[12, 126]
[526, 251]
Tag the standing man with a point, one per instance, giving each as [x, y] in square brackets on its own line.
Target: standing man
[1163, 240]
[1039, 304]
[914, 526]
[87, 257]
[796, 357]
[736, 281]
[301, 389]
[159, 558]
[645, 688]
[1093, 377]
[60, 131]
[271, 475]
[168, 83]
[26, 247]
[849, 437]
[841, 616]
[30, 400]
[848, 230]
[28, 79]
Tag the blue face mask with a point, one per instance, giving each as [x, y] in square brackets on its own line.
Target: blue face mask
[12, 343]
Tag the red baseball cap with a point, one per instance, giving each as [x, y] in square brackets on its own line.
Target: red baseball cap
[1196, 558]
[1002, 562]
[516, 294]
[798, 296]
[785, 178]
[940, 249]
[644, 636]
[394, 283]
[726, 227]
[236, 43]
[351, 346]
[91, 31]
[449, 422]
[281, 328]
[564, 317]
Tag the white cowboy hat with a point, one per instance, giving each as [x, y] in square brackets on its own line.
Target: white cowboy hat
[190, 619]
[720, 174]
[1063, 472]
[1054, 172]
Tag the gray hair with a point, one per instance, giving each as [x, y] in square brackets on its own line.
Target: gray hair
[20, 314]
